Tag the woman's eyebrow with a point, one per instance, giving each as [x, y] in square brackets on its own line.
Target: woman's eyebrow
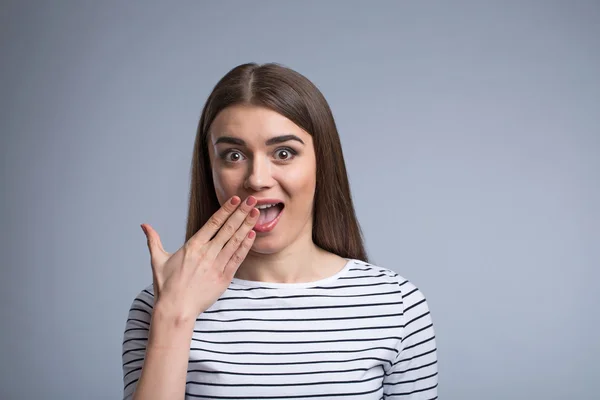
[269, 142]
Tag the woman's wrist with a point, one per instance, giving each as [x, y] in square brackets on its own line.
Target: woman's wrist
[169, 329]
[172, 313]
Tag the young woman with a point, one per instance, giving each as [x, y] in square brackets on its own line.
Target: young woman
[272, 295]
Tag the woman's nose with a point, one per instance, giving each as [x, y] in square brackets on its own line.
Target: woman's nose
[259, 174]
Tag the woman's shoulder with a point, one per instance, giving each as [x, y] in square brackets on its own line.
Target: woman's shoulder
[380, 274]
[415, 306]
[144, 299]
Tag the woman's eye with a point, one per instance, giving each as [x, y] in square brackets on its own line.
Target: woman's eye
[285, 154]
[232, 156]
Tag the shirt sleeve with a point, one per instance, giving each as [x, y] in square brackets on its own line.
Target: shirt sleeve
[413, 374]
[135, 339]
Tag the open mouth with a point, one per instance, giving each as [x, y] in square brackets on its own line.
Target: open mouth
[269, 216]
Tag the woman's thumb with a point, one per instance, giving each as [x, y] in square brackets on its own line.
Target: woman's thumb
[154, 244]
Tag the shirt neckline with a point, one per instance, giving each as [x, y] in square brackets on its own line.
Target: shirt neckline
[299, 285]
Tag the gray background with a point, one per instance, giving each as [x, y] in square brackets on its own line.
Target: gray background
[470, 130]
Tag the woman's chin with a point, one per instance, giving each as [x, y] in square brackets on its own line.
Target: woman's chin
[265, 246]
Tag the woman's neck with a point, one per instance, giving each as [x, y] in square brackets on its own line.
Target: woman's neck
[302, 261]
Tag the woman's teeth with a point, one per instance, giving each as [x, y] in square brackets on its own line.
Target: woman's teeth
[265, 206]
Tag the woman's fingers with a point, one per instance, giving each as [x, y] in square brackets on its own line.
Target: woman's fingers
[237, 239]
[232, 224]
[238, 256]
[215, 222]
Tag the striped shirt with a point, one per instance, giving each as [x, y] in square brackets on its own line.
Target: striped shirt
[364, 333]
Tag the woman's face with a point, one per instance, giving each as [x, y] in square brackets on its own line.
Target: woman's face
[256, 151]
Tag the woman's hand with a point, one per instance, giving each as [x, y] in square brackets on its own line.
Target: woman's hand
[189, 281]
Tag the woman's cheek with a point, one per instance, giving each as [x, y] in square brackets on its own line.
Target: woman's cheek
[221, 186]
[300, 177]
[228, 183]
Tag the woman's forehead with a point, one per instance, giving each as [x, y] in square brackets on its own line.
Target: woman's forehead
[256, 125]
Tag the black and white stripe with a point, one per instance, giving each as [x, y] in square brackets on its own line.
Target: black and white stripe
[365, 333]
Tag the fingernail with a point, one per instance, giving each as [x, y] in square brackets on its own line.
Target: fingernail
[235, 200]
[251, 234]
[251, 201]
[254, 213]
[144, 229]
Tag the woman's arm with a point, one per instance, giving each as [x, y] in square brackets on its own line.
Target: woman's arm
[156, 347]
[158, 333]
[165, 367]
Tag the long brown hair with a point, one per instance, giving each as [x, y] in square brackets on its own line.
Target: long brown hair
[287, 92]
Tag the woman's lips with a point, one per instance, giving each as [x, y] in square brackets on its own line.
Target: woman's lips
[267, 227]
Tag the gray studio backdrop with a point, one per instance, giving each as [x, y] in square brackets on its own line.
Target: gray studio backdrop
[470, 130]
